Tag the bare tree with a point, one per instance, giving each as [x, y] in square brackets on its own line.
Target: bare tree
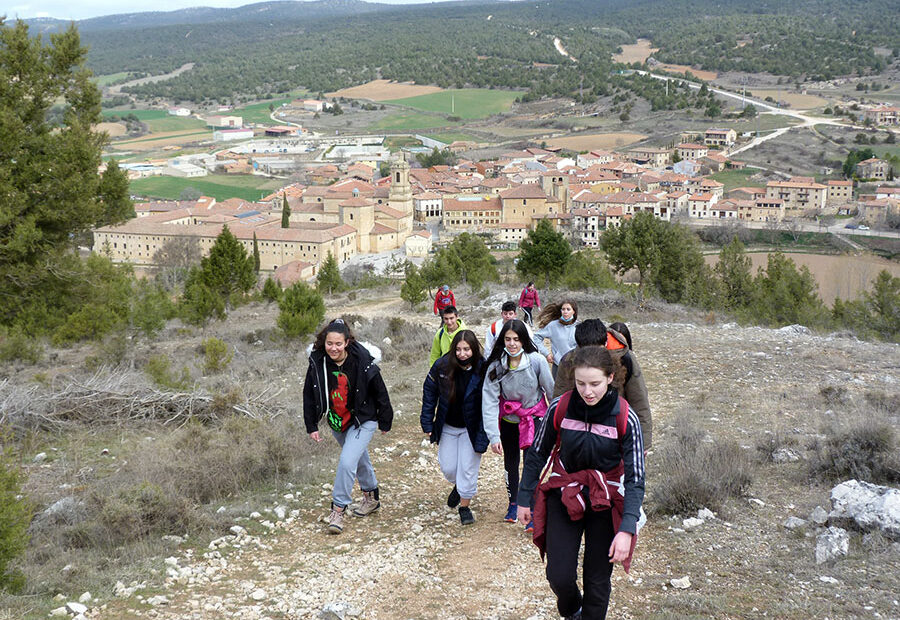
[794, 227]
[174, 260]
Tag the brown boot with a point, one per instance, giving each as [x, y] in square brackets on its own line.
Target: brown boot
[336, 520]
[368, 505]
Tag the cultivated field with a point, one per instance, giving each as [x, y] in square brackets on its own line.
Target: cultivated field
[587, 142]
[384, 90]
[219, 186]
[738, 178]
[411, 121]
[636, 52]
[158, 121]
[156, 141]
[114, 130]
[709, 76]
[797, 101]
[467, 103]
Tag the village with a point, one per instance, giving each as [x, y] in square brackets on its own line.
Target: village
[361, 198]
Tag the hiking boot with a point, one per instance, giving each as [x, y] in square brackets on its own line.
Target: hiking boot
[511, 513]
[368, 505]
[454, 498]
[575, 616]
[336, 520]
[530, 526]
[465, 515]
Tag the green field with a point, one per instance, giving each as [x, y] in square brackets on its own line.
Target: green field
[737, 178]
[259, 113]
[466, 103]
[454, 137]
[160, 120]
[110, 78]
[198, 135]
[219, 186]
[410, 121]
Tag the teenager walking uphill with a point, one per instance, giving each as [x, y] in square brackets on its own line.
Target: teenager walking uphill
[557, 322]
[451, 417]
[344, 386]
[452, 324]
[442, 299]
[528, 301]
[595, 489]
[508, 313]
[629, 381]
[517, 386]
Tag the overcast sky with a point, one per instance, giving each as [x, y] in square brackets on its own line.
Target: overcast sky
[82, 9]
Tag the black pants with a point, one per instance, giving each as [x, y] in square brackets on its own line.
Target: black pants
[563, 541]
[528, 318]
[509, 439]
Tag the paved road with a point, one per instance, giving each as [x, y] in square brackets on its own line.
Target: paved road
[836, 229]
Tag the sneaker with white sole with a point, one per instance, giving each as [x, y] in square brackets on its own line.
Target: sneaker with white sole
[368, 505]
[336, 520]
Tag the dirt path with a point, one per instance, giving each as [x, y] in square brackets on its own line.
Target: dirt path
[117, 89]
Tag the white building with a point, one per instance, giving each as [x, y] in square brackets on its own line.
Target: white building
[225, 135]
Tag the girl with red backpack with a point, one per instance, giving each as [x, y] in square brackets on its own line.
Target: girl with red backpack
[596, 495]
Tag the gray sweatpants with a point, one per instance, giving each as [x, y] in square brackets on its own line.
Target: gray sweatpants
[354, 463]
[458, 460]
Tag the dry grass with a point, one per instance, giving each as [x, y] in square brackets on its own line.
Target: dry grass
[636, 52]
[797, 101]
[384, 90]
[860, 444]
[699, 73]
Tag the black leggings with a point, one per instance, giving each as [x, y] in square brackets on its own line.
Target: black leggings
[509, 439]
[528, 318]
[563, 541]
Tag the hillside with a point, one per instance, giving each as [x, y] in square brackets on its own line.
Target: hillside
[754, 386]
[278, 47]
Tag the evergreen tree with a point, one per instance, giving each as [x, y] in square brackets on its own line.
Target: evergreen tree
[255, 253]
[228, 270]
[329, 276]
[114, 195]
[413, 288]
[784, 295]
[883, 304]
[544, 252]
[301, 310]
[735, 276]
[633, 245]
[586, 271]
[285, 212]
[271, 290]
[471, 261]
[15, 516]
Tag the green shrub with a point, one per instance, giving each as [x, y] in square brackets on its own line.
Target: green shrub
[301, 310]
[91, 322]
[217, 355]
[199, 302]
[151, 308]
[160, 371]
[864, 447]
[15, 516]
[696, 473]
[15, 344]
[271, 290]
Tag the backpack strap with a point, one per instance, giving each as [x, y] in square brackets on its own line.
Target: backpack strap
[562, 406]
[622, 419]
[494, 329]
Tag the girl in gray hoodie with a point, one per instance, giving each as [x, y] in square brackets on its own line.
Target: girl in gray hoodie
[516, 393]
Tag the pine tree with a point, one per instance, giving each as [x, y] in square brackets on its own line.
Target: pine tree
[544, 252]
[413, 288]
[285, 212]
[228, 270]
[329, 277]
[735, 275]
[301, 309]
[255, 253]
[115, 196]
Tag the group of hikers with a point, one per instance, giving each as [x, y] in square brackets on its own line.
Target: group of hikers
[575, 418]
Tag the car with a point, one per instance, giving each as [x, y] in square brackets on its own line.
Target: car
[863, 227]
[851, 226]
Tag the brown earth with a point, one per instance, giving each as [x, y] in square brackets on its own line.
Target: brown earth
[635, 52]
[798, 101]
[586, 142]
[159, 140]
[384, 90]
[709, 76]
[114, 130]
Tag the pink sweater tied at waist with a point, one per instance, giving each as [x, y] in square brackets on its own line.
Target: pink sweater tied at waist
[526, 418]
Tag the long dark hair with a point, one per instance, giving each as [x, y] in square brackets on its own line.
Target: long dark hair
[337, 326]
[472, 340]
[499, 345]
[623, 329]
[552, 312]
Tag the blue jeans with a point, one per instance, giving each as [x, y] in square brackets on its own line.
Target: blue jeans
[354, 463]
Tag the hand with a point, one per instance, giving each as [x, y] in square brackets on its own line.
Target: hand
[496, 448]
[620, 547]
[524, 514]
[550, 358]
[384, 432]
[315, 436]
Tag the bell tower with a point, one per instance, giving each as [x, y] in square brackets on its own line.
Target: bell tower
[400, 196]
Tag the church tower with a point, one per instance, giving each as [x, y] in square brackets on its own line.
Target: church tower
[400, 196]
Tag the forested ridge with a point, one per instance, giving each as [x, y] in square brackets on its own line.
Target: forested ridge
[256, 52]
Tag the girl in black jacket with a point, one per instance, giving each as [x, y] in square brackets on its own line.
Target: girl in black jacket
[344, 385]
[451, 417]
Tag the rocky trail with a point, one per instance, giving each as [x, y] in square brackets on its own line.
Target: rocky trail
[412, 559]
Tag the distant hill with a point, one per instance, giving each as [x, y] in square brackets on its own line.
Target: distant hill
[279, 11]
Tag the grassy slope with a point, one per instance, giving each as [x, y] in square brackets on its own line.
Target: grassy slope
[467, 103]
[219, 186]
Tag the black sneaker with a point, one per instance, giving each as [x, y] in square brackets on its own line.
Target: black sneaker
[454, 498]
[575, 616]
[465, 515]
